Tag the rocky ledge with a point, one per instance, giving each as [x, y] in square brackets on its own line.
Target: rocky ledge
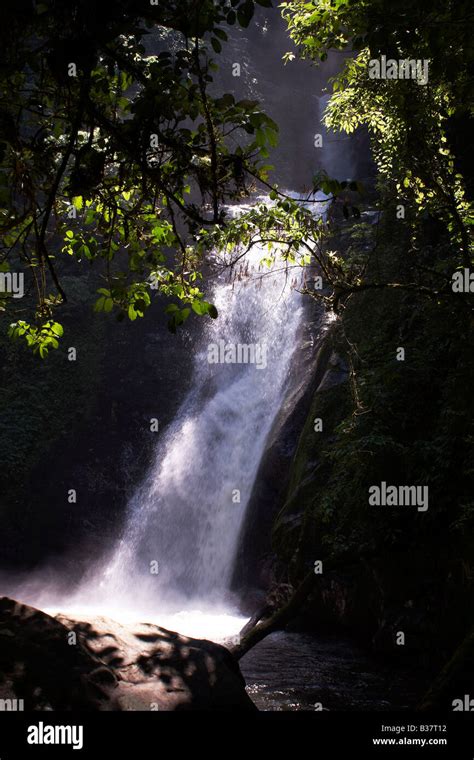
[58, 663]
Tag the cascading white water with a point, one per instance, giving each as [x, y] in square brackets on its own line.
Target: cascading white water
[174, 560]
[180, 539]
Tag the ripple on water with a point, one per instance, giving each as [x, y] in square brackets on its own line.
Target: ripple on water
[299, 671]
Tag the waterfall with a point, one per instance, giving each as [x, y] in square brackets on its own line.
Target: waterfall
[175, 557]
[180, 538]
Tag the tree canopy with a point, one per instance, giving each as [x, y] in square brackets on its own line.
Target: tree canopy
[420, 133]
[117, 149]
[113, 148]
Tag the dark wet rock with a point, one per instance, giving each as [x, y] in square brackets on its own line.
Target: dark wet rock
[40, 666]
[255, 561]
[98, 664]
[453, 689]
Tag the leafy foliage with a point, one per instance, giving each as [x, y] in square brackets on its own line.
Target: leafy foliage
[398, 421]
[415, 128]
[113, 150]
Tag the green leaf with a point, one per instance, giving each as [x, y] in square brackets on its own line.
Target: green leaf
[221, 34]
[200, 307]
[57, 328]
[245, 13]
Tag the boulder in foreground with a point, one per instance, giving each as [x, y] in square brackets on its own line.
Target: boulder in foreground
[58, 663]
